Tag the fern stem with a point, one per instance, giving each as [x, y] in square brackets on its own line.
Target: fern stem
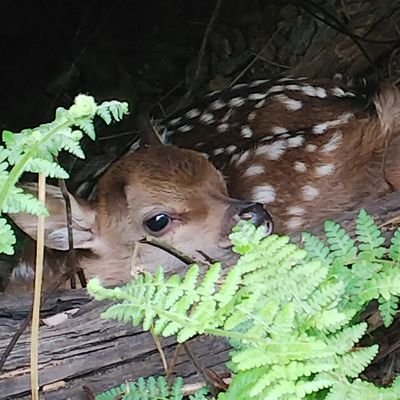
[37, 293]
[18, 169]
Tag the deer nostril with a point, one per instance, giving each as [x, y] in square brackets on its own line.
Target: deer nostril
[269, 227]
[257, 214]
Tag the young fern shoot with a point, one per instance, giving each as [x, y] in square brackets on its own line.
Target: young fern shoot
[34, 150]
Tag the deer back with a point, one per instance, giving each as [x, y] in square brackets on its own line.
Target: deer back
[308, 150]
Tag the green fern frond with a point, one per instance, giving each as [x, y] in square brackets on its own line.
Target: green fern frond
[152, 388]
[7, 238]
[359, 389]
[200, 394]
[316, 248]
[394, 250]
[353, 363]
[48, 168]
[19, 201]
[388, 309]
[341, 245]
[110, 110]
[88, 127]
[369, 236]
[344, 340]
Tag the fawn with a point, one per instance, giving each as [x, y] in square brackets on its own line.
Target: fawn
[172, 194]
[303, 150]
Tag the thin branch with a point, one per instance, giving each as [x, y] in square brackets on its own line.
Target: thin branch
[338, 26]
[160, 350]
[71, 253]
[256, 57]
[173, 362]
[202, 52]
[200, 369]
[169, 249]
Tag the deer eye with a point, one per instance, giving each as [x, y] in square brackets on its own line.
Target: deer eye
[157, 223]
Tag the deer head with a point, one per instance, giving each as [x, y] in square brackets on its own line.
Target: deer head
[167, 193]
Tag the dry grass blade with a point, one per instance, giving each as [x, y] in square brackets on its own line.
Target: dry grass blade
[37, 294]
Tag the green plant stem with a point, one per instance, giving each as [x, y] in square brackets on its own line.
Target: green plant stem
[19, 168]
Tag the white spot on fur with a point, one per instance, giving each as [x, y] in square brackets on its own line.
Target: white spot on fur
[217, 105]
[294, 223]
[299, 166]
[323, 127]
[213, 93]
[296, 210]
[291, 104]
[185, 128]
[333, 143]
[206, 118]
[274, 150]
[274, 89]
[205, 155]
[258, 82]
[237, 101]
[243, 157]
[293, 87]
[321, 92]
[277, 130]
[257, 96]
[218, 151]
[259, 104]
[339, 92]
[231, 149]
[309, 192]
[310, 148]
[320, 128]
[296, 141]
[254, 169]
[239, 86]
[264, 194]
[234, 158]
[265, 138]
[199, 144]
[175, 121]
[324, 170]
[194, 113]
[222, 128]
[285, 79]
[246, 132]
[227, 115]
[252, 116]
[314, 91]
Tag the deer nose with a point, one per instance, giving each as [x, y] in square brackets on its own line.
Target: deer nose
[257, 214]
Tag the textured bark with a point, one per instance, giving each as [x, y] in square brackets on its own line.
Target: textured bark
[87, 350]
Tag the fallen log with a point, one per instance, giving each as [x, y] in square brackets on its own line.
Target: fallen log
[87, 350]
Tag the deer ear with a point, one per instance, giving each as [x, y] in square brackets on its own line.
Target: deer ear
[148, 134]
[56, 231]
